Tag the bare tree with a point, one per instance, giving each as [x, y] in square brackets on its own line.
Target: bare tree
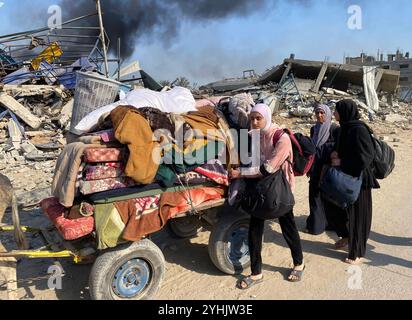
[182, 82]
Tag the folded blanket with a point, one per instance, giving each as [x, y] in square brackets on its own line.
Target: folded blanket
[141, 217]
[133, 130]
[92, 155]
[109, 226]
[215, 171]
[198, 153]
[66, 172]
[173, 203]
[89, 187]
[103, 171]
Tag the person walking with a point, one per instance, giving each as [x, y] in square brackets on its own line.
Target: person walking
[272, 158]
[354, 155]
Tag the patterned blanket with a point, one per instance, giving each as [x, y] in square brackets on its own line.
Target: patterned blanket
[89, 187]
[103, 171]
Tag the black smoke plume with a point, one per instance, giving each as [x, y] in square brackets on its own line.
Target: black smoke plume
[146, 21]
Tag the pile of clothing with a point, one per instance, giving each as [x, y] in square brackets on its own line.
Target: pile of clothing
[139, 153]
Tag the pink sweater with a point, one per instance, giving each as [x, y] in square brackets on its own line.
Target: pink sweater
[274, 158]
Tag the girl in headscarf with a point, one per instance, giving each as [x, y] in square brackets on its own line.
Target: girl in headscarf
[354, 155]
[272, 159]
[323, 136]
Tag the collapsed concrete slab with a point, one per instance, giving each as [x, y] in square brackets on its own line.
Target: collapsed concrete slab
[32, 90]
[340, 75]
[21, 111]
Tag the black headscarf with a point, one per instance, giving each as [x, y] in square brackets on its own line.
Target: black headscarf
[355, 163]
[349, 117]
[348, 111]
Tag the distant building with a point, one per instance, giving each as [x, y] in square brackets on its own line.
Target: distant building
[398, 61]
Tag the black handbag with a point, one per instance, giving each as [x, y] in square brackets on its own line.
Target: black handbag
[269, 197]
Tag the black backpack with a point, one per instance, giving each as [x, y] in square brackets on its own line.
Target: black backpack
[384, 161]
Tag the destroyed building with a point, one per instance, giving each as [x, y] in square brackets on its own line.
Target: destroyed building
[399, 61]
[296, 84]
[313, 75]
[38, 73]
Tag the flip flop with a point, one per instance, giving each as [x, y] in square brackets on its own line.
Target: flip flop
[297, 274]
[249, 282]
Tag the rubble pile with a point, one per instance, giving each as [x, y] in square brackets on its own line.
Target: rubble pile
[33, 121]
[293, 88]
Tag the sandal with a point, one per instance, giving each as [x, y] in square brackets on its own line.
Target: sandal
[248, 281]
[297, 274]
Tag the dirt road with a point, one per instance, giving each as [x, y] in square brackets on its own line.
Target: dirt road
[386, 273]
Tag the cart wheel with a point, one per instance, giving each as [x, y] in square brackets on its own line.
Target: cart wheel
[228, 243]
[186, 227]
[129, 272]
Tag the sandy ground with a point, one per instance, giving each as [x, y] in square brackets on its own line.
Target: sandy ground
[190, 274]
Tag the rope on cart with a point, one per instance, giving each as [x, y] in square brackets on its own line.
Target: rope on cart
[189, 199]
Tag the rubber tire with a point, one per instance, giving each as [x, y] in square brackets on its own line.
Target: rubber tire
[179, 227]
[106, 265]
[218, 240]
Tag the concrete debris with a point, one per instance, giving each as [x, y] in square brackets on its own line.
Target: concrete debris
[66, 113]
[301, 112]
[393, 118]
[20, 110]
[335, 92]
[33, 197]
[28, 147]
[14, 134]
[34, 90]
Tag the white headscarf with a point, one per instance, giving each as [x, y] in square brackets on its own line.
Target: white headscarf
[265, 111]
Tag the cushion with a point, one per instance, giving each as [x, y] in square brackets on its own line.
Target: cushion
[69, 229]
[92, 155]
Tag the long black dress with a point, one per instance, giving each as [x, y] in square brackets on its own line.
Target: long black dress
[356, 151]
